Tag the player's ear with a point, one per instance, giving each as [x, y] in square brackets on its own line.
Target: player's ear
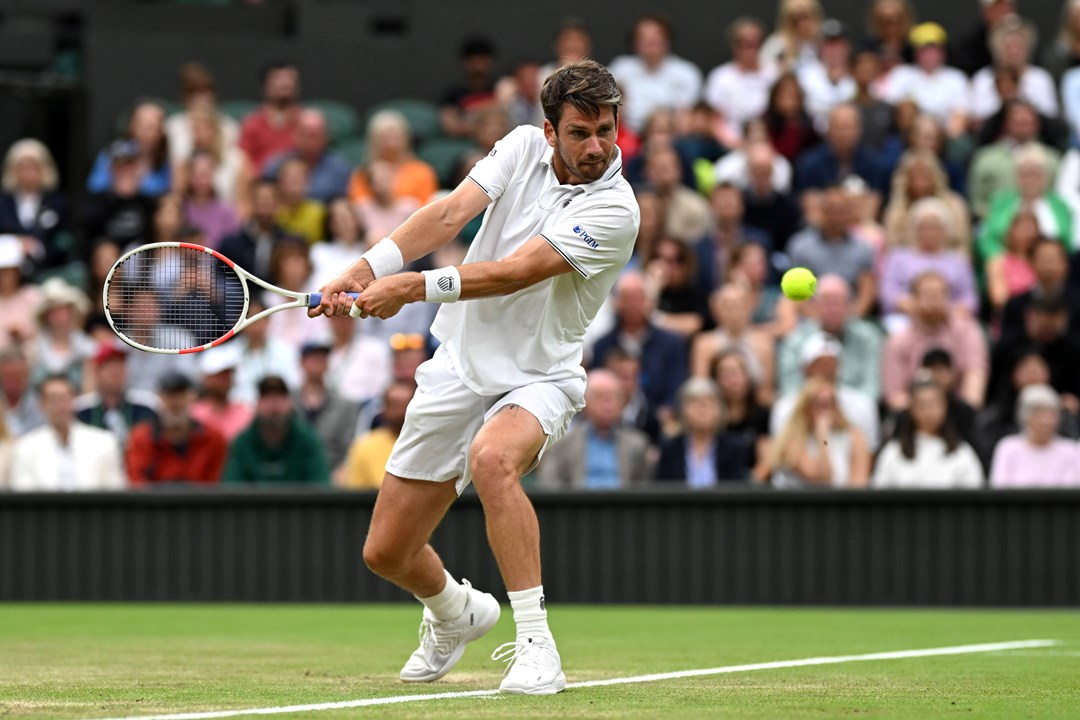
[549, 132]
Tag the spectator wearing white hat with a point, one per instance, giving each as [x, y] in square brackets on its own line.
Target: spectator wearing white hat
[1036, 456]
[18, 300]
[61, 345]
[214, 409]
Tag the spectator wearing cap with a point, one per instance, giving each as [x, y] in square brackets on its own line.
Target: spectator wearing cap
[332, 416]
[112, 406]
[23, 409]
[821, 358]
[198, 93]
[18, 299]
[970, 50]
[828, 82]
[927, 451]
[1050, 261]
[1036, 456]
[841, 155]
[61, 345]
[215, 409]
[271, 129]
[253, 244]
[146, 133]
[941, 91]
[704, 454]
[1012, 44]
[278, 446]
[739, 89]
[172, 446]
[122, 211]
[365, 465]
[476, 89]
[31, 205]
[65, 454]
[935, 324]
[327, 171]
[830, 311]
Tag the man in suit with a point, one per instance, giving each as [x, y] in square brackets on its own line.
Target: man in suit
[65, 454]
[598, 452]
[252, 245]
[842, 154]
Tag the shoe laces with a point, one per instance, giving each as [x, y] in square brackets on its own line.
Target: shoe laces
[429, 625]
[527, 653]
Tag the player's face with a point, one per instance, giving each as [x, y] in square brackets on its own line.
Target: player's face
[584, 146]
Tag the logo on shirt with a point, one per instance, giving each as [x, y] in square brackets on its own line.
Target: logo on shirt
[446, 284]
[580, 232]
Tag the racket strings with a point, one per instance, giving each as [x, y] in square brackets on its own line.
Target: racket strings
[175, 298]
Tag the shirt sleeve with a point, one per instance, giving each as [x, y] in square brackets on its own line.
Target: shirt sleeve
[493, 173]
[596, 237]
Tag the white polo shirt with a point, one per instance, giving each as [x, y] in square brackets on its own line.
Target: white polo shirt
[739, 95]
[501, 343]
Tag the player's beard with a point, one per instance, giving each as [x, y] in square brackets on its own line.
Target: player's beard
[586, 172]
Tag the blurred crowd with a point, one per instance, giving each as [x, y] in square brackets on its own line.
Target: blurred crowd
[931, 181]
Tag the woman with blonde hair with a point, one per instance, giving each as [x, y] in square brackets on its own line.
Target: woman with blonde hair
[31, 208]
[1012, 43]
[819, 446]
[797, 37]
[921, 175]
[388, 138]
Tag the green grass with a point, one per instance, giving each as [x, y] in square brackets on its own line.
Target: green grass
[97, 661]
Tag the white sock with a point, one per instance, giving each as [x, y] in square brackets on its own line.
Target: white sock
[449, 603]
[530, 614]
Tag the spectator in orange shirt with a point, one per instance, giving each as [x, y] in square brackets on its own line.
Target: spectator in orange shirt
[272, 128]
[175, 447]
[389, 141]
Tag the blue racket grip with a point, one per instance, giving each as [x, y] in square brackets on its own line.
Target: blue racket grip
[315, 299]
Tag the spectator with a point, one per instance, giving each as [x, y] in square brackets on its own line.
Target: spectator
[739, 89]
[770, 312]
[732, 310]
[112, 406]
[767, 207]
[65, 454]
[18, 299]
[1033, 177]
[686, 213]
[1063, 54]
[150, 152]
[653, 77]
[1012, 44]
[291, 269]
[251, 246]
[828, 82]
[703, 455]
[61, 346]
[734, 167]
[794, 44]
[198, 93]
[410, 352]
[365, 465]
[890, 23]
[927, 451]
[1046, 322]
[790, 129]
[23, 411]
[278, 447]
[860, 341]
[923, 133]
[682, 305]
[935, 324]
[876, 115]
[264, 353]
[1010, 273]
[360, 362]
[345, 241]
[173, 447]
[729, 231]
[831, 248]
[573, 42]
[941, 91]
[232, 170]
[939, 364]
[1036, 456]
[476, 90]
[203, 208]
[214, 409]
[920, 175]
[31, 206]
[819, 446]
[598, 452]
[327, 171]
[637, 412]
[518, 95]
[971, 50]
[388, 140]
[743, 415]
[383, 210]
[929, 222]
[272, 128]
[296, 213]
[841, 155]
[122, 212]
[1050, 261]
[333, 417]
[993, 168]
[662, 354]
[821, 358]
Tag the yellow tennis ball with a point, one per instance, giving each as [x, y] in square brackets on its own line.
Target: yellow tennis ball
[798, 284]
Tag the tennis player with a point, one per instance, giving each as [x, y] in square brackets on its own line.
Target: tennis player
[559, 226]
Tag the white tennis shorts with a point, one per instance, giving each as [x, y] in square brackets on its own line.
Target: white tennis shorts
[445, 415]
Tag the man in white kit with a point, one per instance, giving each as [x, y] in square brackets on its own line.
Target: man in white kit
[559, 227]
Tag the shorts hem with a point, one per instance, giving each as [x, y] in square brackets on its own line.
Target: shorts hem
[426, 477]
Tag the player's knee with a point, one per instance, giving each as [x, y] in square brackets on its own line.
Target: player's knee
[491, 466]
[383, 559]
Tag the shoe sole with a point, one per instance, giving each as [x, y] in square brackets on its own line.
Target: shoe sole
[482, 630]
[556, 686]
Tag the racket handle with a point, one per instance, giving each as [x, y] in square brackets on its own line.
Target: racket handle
[315, 299]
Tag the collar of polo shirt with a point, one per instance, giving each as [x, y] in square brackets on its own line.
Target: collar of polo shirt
[608, 178]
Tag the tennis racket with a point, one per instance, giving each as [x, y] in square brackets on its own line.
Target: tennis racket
[177, 298]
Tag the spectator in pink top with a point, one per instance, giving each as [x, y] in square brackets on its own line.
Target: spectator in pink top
[272, 128]
[1037, 456]
[1011, 273]
[383, 210]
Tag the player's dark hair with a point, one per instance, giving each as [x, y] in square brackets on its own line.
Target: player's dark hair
[586, 85]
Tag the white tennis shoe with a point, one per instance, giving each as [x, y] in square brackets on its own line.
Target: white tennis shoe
[533, 667]
[442, 643]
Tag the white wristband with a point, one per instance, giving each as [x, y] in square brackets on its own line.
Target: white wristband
[385, 258]
[442, 285]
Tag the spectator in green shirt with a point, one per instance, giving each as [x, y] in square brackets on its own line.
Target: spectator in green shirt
[278, 446]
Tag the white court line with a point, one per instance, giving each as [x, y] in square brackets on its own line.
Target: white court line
[806, 662]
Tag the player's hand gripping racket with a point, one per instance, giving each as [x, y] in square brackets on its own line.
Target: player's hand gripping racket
[177, 298]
